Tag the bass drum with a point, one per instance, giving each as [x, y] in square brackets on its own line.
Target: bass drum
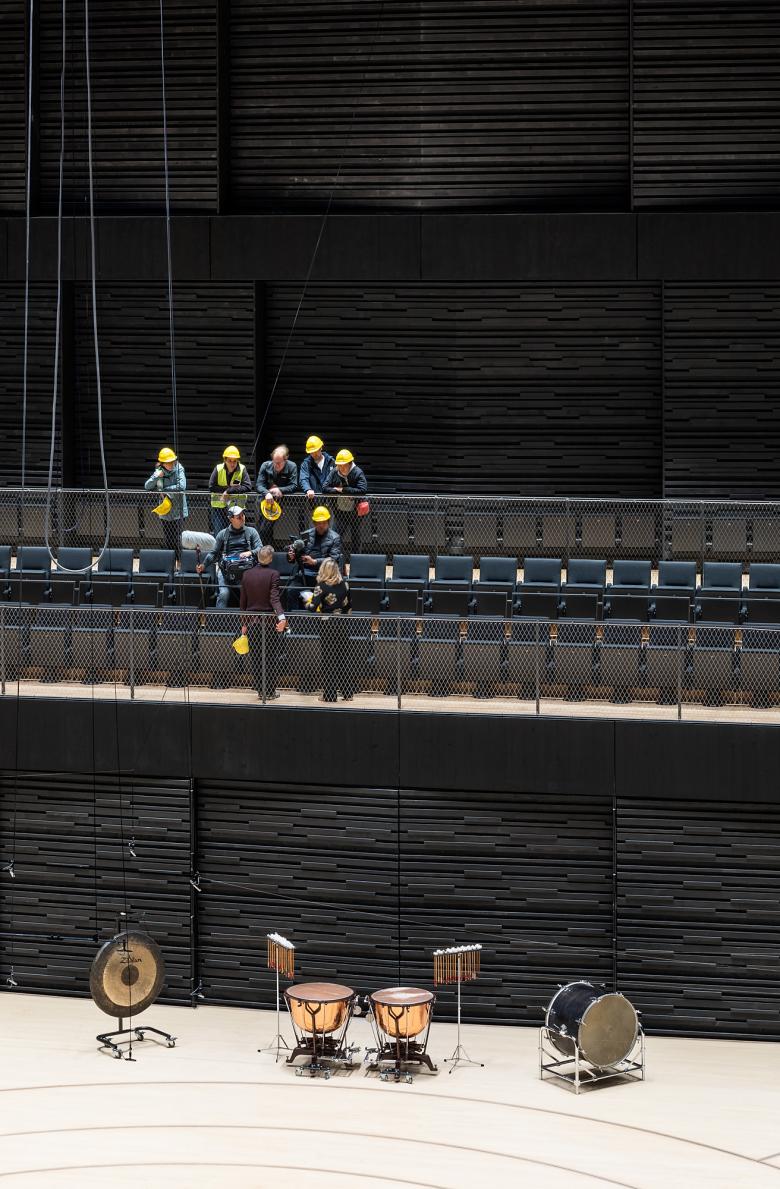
[602, 1024]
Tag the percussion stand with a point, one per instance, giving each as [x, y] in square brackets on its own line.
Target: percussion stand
[108, 1040]
[459, 1054]
[278, 1043]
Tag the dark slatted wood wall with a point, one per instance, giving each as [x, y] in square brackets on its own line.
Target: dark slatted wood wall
[127, 105]
[214, 330]
[69, 884]
[40, 380]
[318, 865]
[13, 104]
[706, 103]
[721, 407]
[539, 388]
[698, 929]
[528, 879]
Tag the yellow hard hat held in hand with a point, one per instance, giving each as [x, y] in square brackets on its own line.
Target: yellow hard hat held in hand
[164, 507]
[166, 455]
[343, 457]
[241, 645]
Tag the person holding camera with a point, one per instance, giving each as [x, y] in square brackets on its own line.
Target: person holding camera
[260, 593]
[317, 543]
[236, 549]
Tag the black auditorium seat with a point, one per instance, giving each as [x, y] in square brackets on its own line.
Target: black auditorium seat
[492, 591]
[395, 652]
[484, 655]
[112, 578]
[585, 575]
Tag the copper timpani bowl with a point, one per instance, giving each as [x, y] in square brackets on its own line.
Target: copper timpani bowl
[402, 1012]
[319, 1007]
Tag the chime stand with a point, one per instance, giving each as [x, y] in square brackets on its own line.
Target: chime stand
[459, 1054]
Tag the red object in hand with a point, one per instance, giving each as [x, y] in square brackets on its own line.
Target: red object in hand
[363, 508]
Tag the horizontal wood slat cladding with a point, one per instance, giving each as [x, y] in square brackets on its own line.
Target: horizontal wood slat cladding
[127, 105]
[698, 929]
[13, 104]
[426, 103]
[69, 861]
[721, 412]
[40, 379]
[546, 389]
[529, 879]
[318, 865]
[706, 103]
[214, 331]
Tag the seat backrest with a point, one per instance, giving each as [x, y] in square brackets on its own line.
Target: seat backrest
[763, 575]
[498, 569]
[582, 570]
[74, 557]
[116, 561]
[188, 562]
[727, 574]
[631, 573]
[282, 563]
[454, 569]
[441, 629]
[367, 565]
[33, 557]
[542, 569]
[156, 561]
[411, 566]
[5, 557]
[677, 573]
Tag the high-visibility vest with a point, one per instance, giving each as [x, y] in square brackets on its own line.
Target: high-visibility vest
[224, 479]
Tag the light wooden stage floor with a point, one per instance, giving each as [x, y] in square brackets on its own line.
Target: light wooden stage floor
[214, 1112]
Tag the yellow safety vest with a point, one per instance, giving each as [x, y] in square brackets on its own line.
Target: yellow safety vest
[223, 479]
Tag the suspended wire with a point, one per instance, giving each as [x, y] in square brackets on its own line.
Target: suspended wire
[168, 235]
[58, 314]
[27, 248]
[323, 222]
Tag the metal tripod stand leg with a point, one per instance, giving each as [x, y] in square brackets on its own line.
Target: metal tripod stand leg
[459, 1054]
[278, 1043]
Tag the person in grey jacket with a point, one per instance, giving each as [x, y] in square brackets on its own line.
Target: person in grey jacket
[276, 478]
[236, 549]
[169, 479]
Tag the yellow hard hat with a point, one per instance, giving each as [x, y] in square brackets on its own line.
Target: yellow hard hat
[164, 507]
[344, 456]
[271, 509]
[241, 645]
[313, 444]
[231, 452]
[166, 455]
[320, 513]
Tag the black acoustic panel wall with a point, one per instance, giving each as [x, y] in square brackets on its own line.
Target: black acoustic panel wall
[13, 104]
[721, 413]
[529, 878]
[426, 103]
[698, 930]
[706, 103]
[214, 333]
[522, 389]
[318, 865]
[40, 381]
[69, 837]
[126, 84]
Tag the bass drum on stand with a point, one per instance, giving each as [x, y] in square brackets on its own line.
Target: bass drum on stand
[602, 1024]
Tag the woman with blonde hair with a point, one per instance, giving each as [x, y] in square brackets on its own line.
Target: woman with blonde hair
[331, 599]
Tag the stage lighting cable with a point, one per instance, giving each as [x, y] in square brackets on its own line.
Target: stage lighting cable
[171, 331]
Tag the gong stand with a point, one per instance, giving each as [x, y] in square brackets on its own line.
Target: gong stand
[458, 964]
[281, 959]
[111, 1040]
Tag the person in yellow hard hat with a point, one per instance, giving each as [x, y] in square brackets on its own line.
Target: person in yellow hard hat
[349, 484]
[228, 484]
[169, 479]
[315, 467]
[316, 543]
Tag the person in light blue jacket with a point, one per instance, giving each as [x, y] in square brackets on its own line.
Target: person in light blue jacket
[169, 479]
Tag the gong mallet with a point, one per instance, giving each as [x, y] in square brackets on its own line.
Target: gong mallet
[281, 959]
[458, 964]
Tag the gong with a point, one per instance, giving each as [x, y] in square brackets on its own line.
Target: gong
[127, 974]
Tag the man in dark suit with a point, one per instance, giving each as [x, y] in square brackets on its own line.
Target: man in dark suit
[260, 593]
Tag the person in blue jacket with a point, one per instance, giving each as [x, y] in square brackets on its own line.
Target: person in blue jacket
[315, 468]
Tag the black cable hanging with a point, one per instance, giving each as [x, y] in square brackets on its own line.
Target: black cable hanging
[323, 222]
[171, 329]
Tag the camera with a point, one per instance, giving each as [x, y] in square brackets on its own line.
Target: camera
[295, 551]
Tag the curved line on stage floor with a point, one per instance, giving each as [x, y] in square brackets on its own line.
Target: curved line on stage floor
[517, 1106]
